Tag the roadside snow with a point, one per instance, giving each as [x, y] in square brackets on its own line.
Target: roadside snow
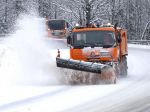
[139, 46]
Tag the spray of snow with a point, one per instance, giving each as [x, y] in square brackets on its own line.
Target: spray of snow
[29, 55]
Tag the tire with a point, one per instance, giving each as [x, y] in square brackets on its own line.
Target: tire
[124, 67]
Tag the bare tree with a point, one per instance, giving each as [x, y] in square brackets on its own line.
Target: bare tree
[131, 14]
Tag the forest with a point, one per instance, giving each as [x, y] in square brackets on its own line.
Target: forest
[133, 15]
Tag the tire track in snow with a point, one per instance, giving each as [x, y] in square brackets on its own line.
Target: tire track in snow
[38, 98]
[128, 98]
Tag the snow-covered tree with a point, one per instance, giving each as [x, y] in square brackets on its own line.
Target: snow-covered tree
[130, 14]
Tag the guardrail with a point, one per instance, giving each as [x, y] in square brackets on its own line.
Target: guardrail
[2, 35]
[5, 35]
[142, 42]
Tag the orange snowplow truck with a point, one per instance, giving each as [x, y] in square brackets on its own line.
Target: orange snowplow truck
[93, 49]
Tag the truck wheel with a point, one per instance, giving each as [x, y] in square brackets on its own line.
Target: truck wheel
[124, 70]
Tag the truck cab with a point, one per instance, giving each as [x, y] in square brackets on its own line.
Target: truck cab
[105, 44]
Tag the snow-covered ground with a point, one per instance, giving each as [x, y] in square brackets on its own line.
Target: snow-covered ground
[29, 56]
[30, 81]
[142, 47]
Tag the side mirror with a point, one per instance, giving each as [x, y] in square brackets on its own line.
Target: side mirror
[67, 24]
[119, 38]
[115, 26]
[69, 39]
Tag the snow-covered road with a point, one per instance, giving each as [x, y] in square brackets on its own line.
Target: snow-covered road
[132, 93]
[29, 79]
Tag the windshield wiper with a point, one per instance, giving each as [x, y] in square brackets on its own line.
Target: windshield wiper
[87, 44]
[108, 45]
[78, 46]
[93, 45]
[98, 44]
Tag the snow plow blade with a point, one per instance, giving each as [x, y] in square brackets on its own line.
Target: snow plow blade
[79, 65]
[77, 72]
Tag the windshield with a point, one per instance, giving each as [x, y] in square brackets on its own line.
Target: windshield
[94, 39]
[56, 24]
